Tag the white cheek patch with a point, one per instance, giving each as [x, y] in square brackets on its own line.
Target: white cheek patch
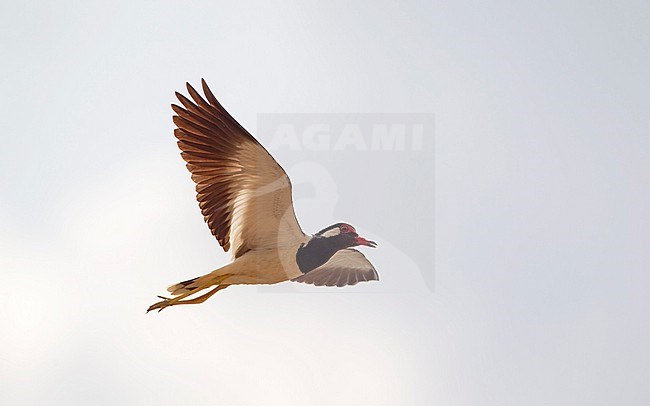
[332, 233]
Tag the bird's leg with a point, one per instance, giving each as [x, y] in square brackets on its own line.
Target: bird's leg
[169, 301]
[203, 297]
[177, 300]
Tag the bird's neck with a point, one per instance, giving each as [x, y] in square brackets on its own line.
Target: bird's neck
[316, 252]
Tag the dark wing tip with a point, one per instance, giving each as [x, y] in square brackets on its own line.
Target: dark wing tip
[210, 96]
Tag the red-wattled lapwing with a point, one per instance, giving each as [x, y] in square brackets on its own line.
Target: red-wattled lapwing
[245, 198]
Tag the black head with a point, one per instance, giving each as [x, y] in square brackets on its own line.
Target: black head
[326, 243]
[344, 235]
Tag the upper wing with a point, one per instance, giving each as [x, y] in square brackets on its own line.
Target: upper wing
[244, 195]
[346, 267]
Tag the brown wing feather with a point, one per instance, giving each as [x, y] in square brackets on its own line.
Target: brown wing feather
[244, 195]
[346, 267]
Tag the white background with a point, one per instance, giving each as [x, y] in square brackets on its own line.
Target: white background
[541, 232]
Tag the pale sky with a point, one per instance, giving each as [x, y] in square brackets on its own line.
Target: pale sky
[536, 215]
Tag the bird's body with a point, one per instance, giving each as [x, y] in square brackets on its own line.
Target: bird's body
[245, 198]
[260, 267]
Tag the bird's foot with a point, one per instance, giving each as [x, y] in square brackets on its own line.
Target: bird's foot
[166, 302]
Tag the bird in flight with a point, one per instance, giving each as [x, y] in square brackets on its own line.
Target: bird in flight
[245, 198]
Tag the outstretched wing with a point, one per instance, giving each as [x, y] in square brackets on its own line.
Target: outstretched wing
[346, 267]
[244, 195]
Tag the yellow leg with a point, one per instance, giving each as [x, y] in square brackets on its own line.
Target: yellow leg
[177, 300]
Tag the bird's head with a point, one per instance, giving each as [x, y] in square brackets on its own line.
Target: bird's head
[345, 236]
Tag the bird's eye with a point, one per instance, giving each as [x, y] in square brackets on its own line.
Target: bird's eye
[345, 229]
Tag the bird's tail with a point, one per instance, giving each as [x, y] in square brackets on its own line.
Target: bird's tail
[198, 283]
